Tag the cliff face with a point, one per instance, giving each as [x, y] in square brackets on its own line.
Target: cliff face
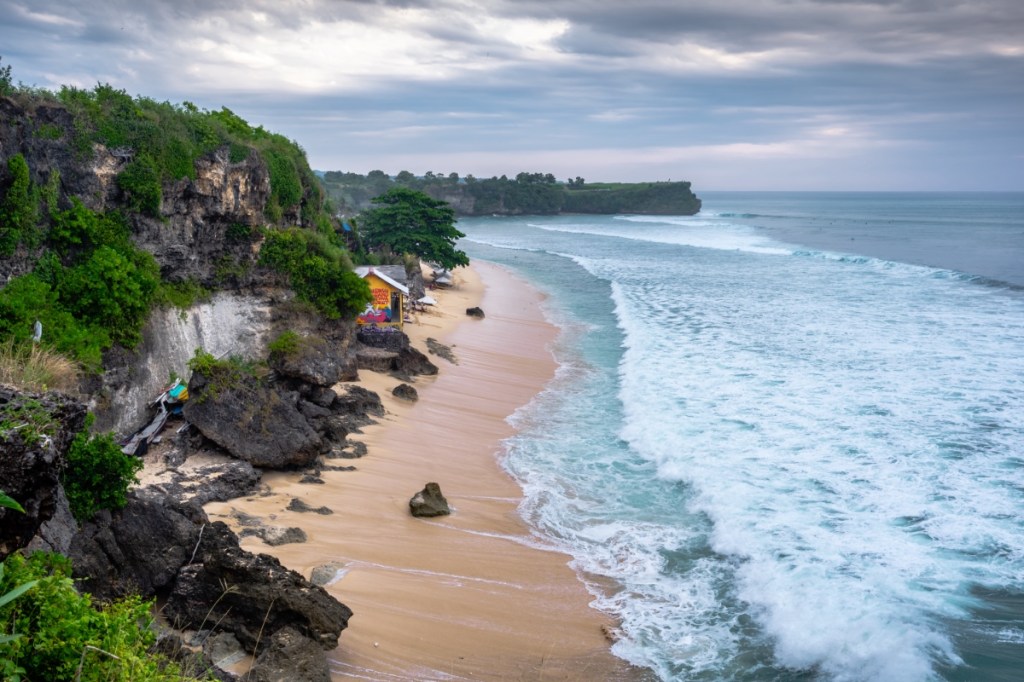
[192, 238]
[201, 230]
[230, 323]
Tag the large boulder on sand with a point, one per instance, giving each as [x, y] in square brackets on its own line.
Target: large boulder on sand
[253, 422]
[429, 502]
[405, 392]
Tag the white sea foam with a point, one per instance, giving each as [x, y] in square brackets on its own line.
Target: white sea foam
[807, 444]
[788, 466]
[681, 232]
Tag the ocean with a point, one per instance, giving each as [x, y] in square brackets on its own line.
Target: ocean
[786, 437]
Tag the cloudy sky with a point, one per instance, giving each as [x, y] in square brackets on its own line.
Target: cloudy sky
[730, 94]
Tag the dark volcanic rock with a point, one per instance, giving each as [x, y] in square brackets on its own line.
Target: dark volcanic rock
[138, 549]
[244, 592]
[435, 347]
[405, 392]
[55, 534]
[291, 656]
[351, 450]
[375, 359]
[298, 505]
[214, 483]
[475, 312]
[314, 360]
[253, 422]
[35, 433]
[358, 405]
[429, 502]
[276, 535]
[413, 362]
[327, 574]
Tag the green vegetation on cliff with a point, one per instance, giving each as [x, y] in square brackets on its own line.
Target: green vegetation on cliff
[525, 194]
[89, 175]
[51, 632]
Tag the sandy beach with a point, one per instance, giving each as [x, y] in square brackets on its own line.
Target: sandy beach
[470, 596]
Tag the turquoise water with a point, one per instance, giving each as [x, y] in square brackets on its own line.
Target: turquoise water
[786, 438]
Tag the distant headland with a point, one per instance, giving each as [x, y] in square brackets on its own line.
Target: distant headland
[525, 194]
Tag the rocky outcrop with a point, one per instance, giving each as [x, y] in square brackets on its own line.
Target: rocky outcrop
[245, 594]
[429, 502]
[435, 347]
[209, 219]
[290, 656]
[137, 550]
[252, 421]
[314, 360]
[276, 535]
[475, 312]
[35, 433]
[156, 546]
[212, 483]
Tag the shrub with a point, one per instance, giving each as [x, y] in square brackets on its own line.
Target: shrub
[222, 373]
[98, 474]
[182, 295]
[29, 298]
[19, 210]
[65, 637]
[113, 291]
[284, 345]
[140, 181]
[318, 271]
[26, 419]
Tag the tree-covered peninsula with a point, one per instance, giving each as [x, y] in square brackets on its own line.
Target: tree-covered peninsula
[525, 194]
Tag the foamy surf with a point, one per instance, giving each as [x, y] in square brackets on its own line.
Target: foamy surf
[770, 468]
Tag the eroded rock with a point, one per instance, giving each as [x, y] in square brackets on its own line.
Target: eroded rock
[429, 502]
[245, 593]
[35, 433]
[405, 392]
[253, 422]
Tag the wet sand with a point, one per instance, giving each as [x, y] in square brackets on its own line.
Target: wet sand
[471, 596]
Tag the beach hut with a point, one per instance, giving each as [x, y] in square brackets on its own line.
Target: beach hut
[387, 309]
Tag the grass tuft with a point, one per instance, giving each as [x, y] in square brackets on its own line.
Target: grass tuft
[31, 367]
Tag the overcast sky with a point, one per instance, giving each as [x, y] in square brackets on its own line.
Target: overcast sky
[730, 94]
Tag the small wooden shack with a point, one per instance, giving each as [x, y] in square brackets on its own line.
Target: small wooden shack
[387, 309]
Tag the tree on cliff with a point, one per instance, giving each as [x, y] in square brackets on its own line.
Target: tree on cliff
[408, 221]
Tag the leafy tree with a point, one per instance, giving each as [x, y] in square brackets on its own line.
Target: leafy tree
[113, 290]
[409, 221]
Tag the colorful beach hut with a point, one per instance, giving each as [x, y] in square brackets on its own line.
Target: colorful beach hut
[387, 309]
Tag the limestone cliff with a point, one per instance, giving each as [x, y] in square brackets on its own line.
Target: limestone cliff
[201, 230]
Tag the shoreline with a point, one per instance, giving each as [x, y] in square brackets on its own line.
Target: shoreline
[472, 595]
